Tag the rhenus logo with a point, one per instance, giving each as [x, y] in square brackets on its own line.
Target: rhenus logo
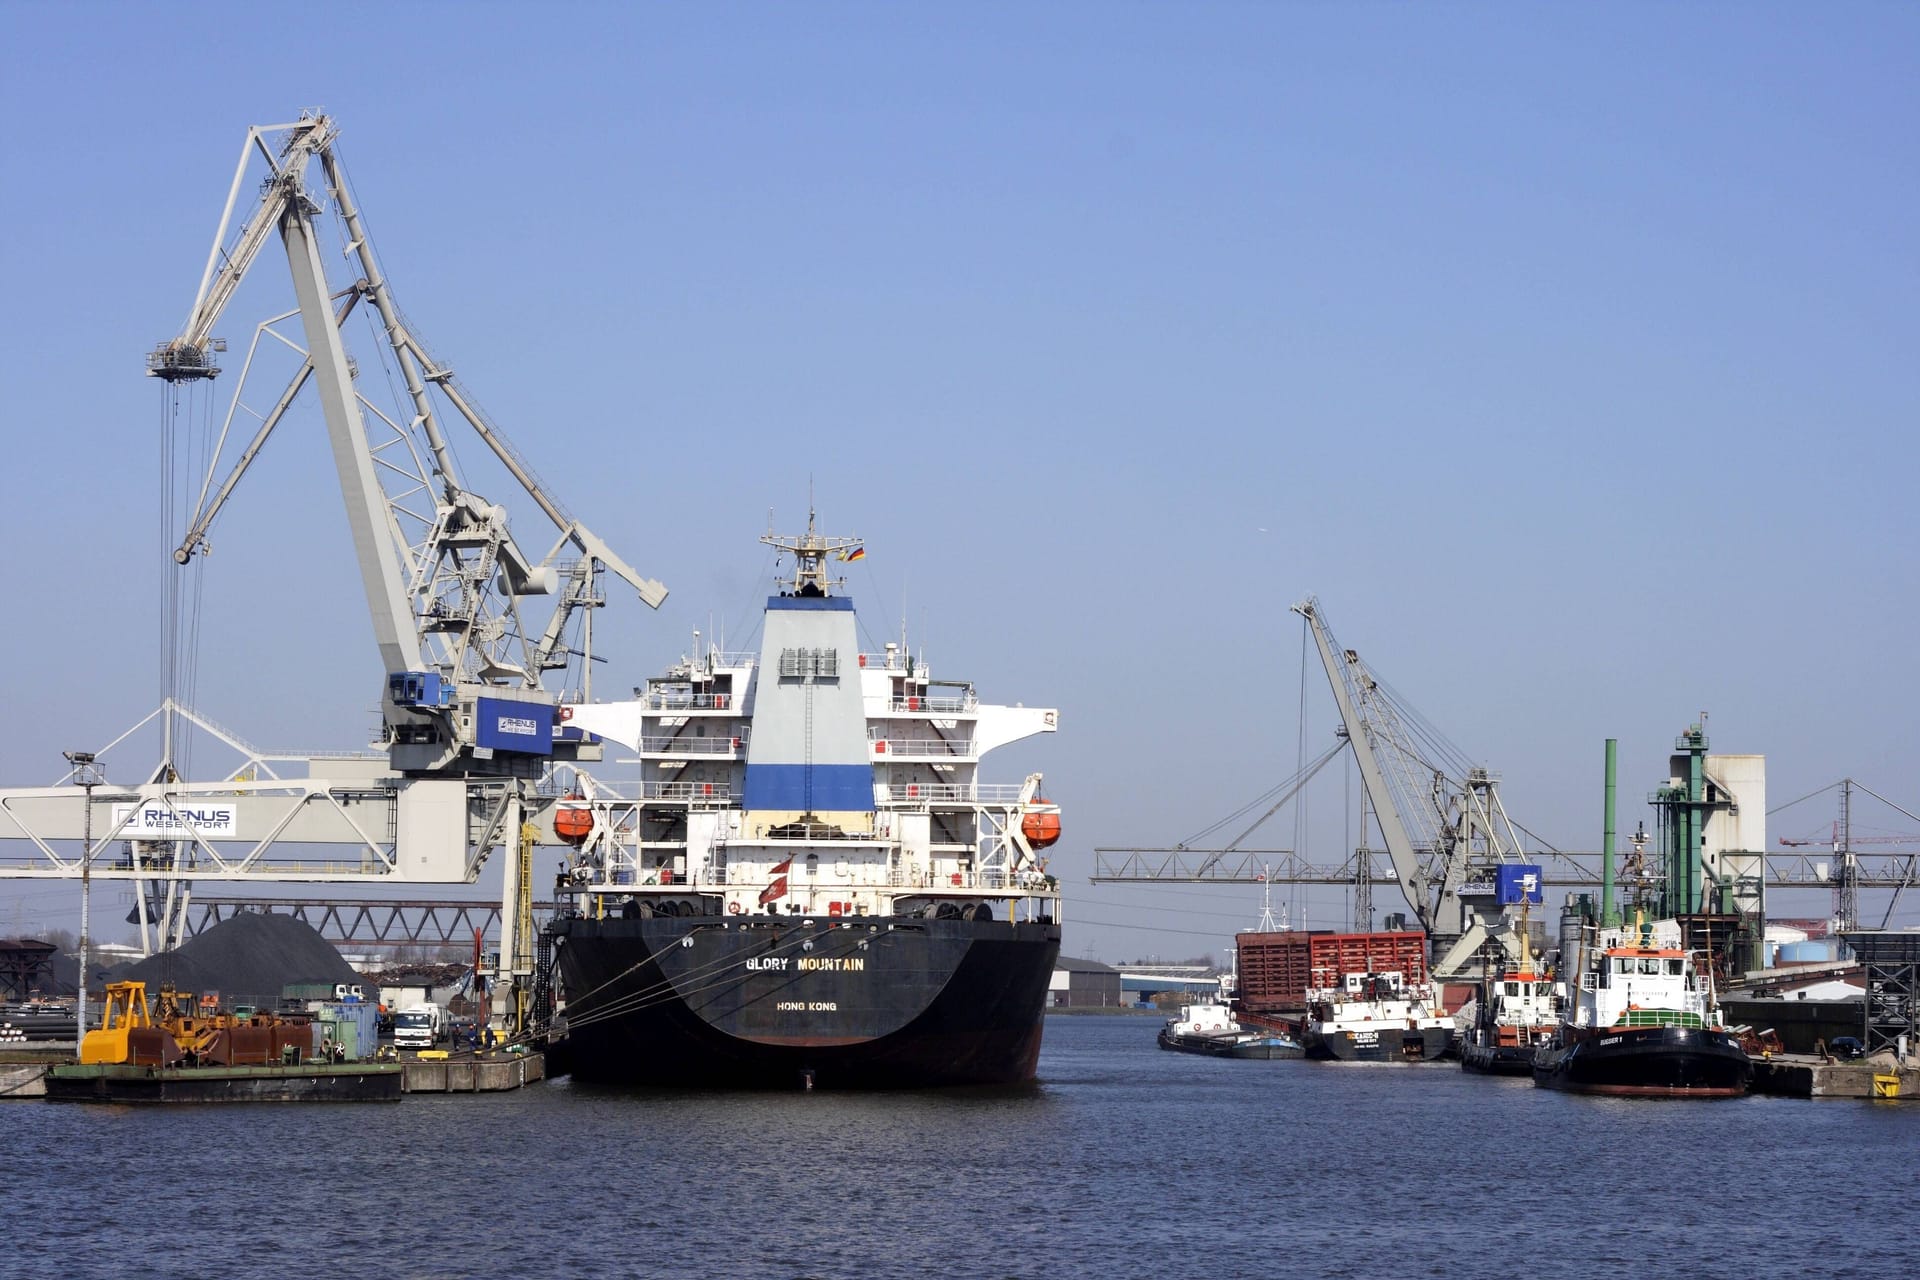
[153, 820]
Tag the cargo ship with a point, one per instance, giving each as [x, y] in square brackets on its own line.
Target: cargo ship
[1643, 1022]
[811, 886]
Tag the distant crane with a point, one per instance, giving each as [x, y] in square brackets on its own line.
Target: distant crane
[1444, 826]
[1844, 870]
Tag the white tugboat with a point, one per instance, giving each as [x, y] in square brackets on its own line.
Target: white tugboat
[812, 885]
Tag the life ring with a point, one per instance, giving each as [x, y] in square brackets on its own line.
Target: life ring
[733, 908]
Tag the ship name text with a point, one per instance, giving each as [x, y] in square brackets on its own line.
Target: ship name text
[809, 964]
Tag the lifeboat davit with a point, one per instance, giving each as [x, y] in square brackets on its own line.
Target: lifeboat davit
[1040, 827]
[573, 823]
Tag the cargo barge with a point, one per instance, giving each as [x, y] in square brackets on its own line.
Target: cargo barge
[1349, 996]
[811, 887]
[1209, 1030]
[1376, 1017]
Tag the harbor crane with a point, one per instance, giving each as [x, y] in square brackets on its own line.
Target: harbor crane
[470, 734]
[1445, 836]
[1447, 874]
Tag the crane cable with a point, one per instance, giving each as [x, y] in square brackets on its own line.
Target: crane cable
[711, 976]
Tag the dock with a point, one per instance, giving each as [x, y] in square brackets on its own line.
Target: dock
[1805, 1075]
[24, 1080]
[123, 1082]
[472, 1075]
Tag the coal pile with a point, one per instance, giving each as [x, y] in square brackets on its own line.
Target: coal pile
[247, 959]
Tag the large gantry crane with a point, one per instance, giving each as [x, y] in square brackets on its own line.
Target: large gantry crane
[468, 729]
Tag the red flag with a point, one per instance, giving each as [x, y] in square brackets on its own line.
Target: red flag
[778, 889]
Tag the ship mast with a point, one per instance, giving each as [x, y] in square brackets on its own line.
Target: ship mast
[812, 553]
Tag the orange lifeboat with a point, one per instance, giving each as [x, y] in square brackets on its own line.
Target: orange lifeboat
[573, 823]
[1040, 827]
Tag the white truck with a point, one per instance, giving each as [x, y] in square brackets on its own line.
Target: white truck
[419, 1026]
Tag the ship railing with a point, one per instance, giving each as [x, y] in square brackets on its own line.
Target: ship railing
[692, 792]
[913, 703]
[821, 831]
[675, 746]
[994, 880]
[947, 792]
[894, 661]
[922, 748]
[663, 700]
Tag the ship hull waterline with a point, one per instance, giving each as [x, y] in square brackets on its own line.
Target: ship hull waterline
[779, 1002]
[1497, 1060]
[1233, 1044]
[1647, 1062]
[1386, 1044]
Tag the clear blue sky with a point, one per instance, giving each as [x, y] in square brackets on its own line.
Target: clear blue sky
[1567, 354]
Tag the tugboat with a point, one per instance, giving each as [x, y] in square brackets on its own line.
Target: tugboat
[1209, 1028]
[811, 887]
[1376, 1017]
[1643, 1023]
[1515, 1015]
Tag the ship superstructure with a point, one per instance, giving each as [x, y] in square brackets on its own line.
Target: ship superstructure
[812, 821]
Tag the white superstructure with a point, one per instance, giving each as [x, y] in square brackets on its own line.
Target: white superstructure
[812, 778]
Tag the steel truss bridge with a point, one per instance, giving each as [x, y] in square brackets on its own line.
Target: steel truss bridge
[367, 923]
[1567, 870]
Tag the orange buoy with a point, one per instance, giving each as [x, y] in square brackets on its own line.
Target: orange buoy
[1040, 827]
[573, 823]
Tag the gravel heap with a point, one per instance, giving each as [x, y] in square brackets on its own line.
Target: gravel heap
[247, 959]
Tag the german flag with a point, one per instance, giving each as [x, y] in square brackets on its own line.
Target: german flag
[854, 553]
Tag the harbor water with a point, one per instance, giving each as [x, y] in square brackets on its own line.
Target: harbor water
[1124, 1161]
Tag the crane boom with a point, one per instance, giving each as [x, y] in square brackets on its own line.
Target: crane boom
[444, 582]
[1464, 827]
[1400, 850]
[380, 570]
[189, 355]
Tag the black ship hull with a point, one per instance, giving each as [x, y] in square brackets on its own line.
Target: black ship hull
[1384, 1044]
[793, 1002]
[1647, 1062]
[1486, 1059]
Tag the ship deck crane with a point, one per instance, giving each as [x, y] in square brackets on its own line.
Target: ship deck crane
[468, 727]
